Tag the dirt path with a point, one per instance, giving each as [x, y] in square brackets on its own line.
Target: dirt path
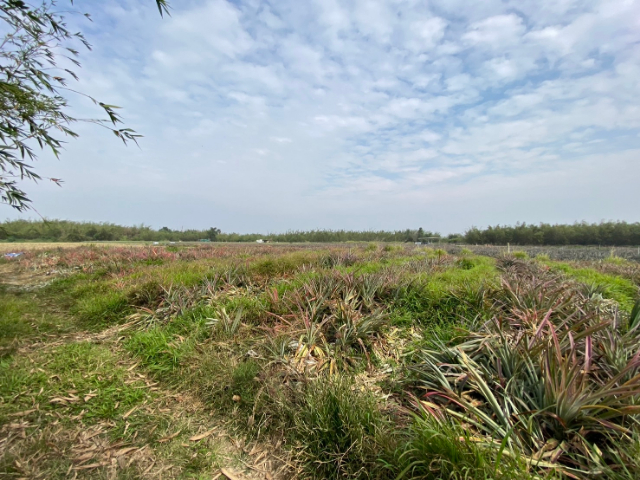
[53, 424]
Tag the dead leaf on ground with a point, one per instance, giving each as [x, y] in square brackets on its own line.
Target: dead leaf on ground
[230, 475]
[195, 438]
[169, 437]
[126, 415]
[21, 414]
[124, 451]
[92, 465]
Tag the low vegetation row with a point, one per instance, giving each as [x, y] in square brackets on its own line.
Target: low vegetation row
[368, 362]
[604, 233]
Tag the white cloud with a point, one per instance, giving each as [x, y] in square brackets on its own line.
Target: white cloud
[426, 34]
[350, 111]
[498, 32]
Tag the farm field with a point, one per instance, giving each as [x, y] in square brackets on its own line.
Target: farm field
[276, 361]
[36, 246]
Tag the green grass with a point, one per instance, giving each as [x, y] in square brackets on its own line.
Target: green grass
[446, 297]
[282, 265]
[72, 370]
[340, 432]
[24, 319]
[93, 300]
[159, 351]
[612, 287]
[62, 391]
[442, 449]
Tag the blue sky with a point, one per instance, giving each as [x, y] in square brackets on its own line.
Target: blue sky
[385, 114]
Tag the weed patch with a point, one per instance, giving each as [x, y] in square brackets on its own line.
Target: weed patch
[610, 286]
[340, 432]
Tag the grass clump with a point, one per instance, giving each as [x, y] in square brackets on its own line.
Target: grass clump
[281, 265]
[448, 296]
[340, 431]
[103, 310]
[158, 350]
[439, 448]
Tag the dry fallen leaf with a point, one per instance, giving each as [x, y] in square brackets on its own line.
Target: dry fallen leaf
[230, 475]
[21, 414]
[195, 438]
[169, 437]
[124, 451]
[84, 457]
[126, 415]
[93, 465]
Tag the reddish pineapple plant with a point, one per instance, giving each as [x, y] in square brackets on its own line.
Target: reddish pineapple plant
[551, 376]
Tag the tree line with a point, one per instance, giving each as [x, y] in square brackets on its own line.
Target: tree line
[604, 233]
[68, 231]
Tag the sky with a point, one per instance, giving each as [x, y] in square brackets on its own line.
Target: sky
[264, 116]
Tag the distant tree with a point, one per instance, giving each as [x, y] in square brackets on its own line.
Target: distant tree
[91, 232]
[33, 109]
[212, 233]
[104, 235]
[165, 230]
[74, 236]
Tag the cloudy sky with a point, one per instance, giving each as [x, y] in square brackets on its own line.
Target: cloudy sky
[364, 114]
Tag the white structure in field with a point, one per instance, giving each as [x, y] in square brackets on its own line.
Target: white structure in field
[259, 241]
